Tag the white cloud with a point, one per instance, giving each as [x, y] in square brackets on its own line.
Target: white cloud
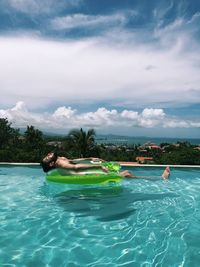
[181, 124]
[81, 20]
[180, 34]
[100, 118]
[30, 6]
[176, 124]
[151, 113]
[128, 114]
[195, 124]
[44, 72]
[67, 118]
[150, 118]
[63, 112]
[20, 116]
[148, 123]
[19, 107]
[37, 7]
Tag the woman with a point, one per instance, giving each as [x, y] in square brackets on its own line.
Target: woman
[52, 161]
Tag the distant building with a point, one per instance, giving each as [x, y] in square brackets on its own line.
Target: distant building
[144, 160]
[149, 145]
[143, 150]
[176, 145]
[55, 143]
[154, 147]
[112, 147]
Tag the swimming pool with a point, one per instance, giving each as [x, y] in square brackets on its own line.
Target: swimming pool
[133, 223]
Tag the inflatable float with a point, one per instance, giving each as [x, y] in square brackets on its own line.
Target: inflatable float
[88, 176]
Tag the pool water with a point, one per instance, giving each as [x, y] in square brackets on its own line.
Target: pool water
[138, 222]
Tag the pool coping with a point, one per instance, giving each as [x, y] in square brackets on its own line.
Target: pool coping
[125, 164]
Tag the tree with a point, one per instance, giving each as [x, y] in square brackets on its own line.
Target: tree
[8, 135]
[33, 139]
[81, 142]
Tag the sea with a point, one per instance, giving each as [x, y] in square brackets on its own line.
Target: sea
[129, 140]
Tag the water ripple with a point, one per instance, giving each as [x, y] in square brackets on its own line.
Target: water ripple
[135, 223]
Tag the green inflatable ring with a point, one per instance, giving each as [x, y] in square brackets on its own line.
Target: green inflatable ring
[88, 177]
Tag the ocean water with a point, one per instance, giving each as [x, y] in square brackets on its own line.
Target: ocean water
[138, 222]
[128, 140]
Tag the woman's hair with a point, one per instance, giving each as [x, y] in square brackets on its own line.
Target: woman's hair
[46, 164]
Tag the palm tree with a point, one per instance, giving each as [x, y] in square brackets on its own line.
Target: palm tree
[82, 141]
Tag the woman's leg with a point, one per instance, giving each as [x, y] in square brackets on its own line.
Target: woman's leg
[127, 174]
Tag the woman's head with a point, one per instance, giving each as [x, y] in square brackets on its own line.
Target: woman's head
[48, 162]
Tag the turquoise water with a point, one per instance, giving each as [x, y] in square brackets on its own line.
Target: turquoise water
[134, 223]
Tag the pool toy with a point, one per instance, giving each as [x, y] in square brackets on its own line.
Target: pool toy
[112, 166]
[88, 176]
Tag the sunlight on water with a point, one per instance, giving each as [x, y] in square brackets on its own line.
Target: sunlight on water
[135, 223]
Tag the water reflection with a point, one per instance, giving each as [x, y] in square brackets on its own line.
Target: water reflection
[113, 202]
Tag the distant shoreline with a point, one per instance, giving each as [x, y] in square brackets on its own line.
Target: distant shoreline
[128, 140]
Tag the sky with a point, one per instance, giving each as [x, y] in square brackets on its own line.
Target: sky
[128, 67]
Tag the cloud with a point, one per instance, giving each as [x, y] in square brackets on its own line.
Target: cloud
[129, 61]
[67, 118]
[38, 7]
[181, 31]
[20, 116]
[82, 20]
[128, 114]
[151, 117]
[44, 72]
[175, 123]
[151, 113]
[63, 113]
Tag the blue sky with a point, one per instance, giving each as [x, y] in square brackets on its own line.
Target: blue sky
[123, 67]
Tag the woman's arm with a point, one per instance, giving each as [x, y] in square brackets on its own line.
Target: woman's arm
[68, 165]
[91, 158]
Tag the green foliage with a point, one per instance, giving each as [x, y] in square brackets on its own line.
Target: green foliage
[117, 153]
[6, 155]
[8, 135]
[33, 139]
[182, 156]
[16, 148]
[80, 142]
[33, 145]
